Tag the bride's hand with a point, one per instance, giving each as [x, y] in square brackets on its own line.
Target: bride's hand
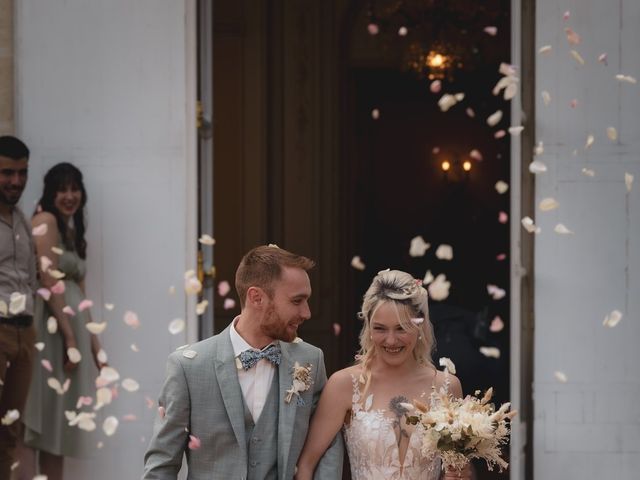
[453, 474]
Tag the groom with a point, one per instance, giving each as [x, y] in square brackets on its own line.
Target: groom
[230, 402]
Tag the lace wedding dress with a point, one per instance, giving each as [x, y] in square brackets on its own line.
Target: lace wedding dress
[373, 450]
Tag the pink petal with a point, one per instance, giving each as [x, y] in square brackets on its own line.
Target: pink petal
[573, 103]
[470, 112]
[337, 328]
[435, 150]
[476, 155]
[46, 364]
[223, 288]
[375, 114]
[602, 58]
[501, 256]
[566, 15]
[435, 86]
[68, 310]
[150, 402]
[40, 230]
[496, 324]
[162, 412]
[44, 293]
[499, 134]
[503, 217]
[229, 303]
[58, 288]
[572, 37]
[194, 442]
[491, 30]
[84, 304]
[373, 29]
[130, 417]
[131, 319]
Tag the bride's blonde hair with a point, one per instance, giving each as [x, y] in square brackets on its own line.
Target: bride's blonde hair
[411, 302]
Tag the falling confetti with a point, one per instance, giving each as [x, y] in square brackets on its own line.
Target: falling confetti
[402, 31]
[490, 352]
[539, 148]
[560, 229]
[444, 252]
[10, 417]
[102, 356]
[537, 167]
[496, 292]
[223, 288]
[74, 355]
[612, 319]
[206, 239]
[357, 263]
[229, 303]
[134, 348]
[612, 134]
[589, 142]
[602, 58]
[46, 364]
[17, 303]
[58, 288]
[337, 328]
[517, 130]
[45, 263]
[529, 225]
[131, 319]
[84, 305]
[39, 346]
[161, 412]
[418, 247]
[501, 187]
[201, 307]
[500, 134]
[476, 155]
[109, 375]
[573, 103]
[503, 217]
[194, 442]
[577, 57]
[40, 230]
[373, 29]
[491, 30]
[566, 15]
[572, 37]
[52, 325]
[497, 324]
[375, 114]
[96, 328]
[470, 113]
[176, 326]
[109, 306]
[501, 256]
[560, 376]
[546, 98]
[428, 278]
[626, 79]
[439, 288]
[548, 204]
[494, 118]
[545, 49]
[110, 426]
[189, 354]
[628, 181]
[68, 310]
[54, 384]
[447, 101]
[588, 172]
[435, 86]
[130, 385]
[57, 250]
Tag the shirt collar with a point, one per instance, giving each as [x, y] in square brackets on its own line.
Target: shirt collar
[240, 344]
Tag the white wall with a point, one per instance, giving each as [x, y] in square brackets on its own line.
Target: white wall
[589, 427]
[109, 86]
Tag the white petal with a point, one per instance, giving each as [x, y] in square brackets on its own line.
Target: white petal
[590, 140]
[206, 239]
[612, 319]
[428, 278]
[439, 288]
[545, 49]
[476, 155]
[130, 385]
[588, 172]
[529, 225]
[109, 374]
[176, 326]
[491, 352]
[448, 364]
[12, 415]
[131, 319]
[39, 346]
[560, 376]
[562, 230]
[511, 91]
[494, 118]
[497, 324]
[537, 167]
[104, 396]
[110, 426]
[57, 250]
[52, 325]
[102, 356]
[491, 30]
[539, 149]
[502, 187]
[612, 134]
[201, 307]
[55, 385]
[57, 274]
[577, 57]
[375, 114]
[96, 328]
[418, 247]
[192, 286]
[17, 303]
[74, 355]
[444, 252]
[628, 181]
[357, 263]
[515, 131]
[45, 263]
[40, 230]
[548, 204]
[626, 79]
[109, 306]
[546, 97]
[134, 348]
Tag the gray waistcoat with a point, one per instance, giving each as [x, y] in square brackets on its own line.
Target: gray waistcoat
[262, 438]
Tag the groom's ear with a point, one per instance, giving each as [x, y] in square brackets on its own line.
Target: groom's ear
[255, 297]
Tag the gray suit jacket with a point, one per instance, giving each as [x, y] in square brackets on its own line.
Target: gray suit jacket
[202, 397]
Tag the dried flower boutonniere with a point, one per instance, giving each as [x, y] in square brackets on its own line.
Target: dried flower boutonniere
[301, 382]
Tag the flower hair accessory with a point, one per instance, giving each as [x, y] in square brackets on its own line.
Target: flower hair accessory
[301, 382]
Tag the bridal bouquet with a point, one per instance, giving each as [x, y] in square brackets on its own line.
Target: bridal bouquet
[459, 430]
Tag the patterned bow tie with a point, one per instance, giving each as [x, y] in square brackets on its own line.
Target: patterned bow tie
[249, 358]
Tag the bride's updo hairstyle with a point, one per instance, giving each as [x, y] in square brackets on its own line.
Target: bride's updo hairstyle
[410, 300]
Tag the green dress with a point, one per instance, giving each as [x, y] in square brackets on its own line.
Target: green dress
[46, 424]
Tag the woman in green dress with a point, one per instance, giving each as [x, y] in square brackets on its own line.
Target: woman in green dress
[71, 354]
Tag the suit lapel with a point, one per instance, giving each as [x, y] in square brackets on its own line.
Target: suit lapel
[227, 375]
[287, 411]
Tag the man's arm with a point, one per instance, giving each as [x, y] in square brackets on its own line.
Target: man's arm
[330, 465]
[170, 438]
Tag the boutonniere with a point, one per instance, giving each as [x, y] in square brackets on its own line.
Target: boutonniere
[301, 382]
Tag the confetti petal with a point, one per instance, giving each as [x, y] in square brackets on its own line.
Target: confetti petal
[131, 319]
[628, 181]
[46, 364]
[439, 288]
[176, 326]
[560, 376]
[515, 131]
[74, 355]
[602, 58]
[84, 305]
[45, 293]
[201, 307]
[539, 149]
[529, 225]
[68, 310]
[435, 86]
[537, 167]
[501, 256]
[612, 134]
[40, 230]
[375, 114]
[402, 31]
[102, 356]
[562, 230]
[500, 134]
[577, 57]
[490, 352]
[501, 187]
[52, 325]
[418, 247]
[497, 325]
[57, 250]
[476, 155]
[491, 30]
[39, 346]
[192, 285]
[503, 217]
[10, 417]
[470, 113]
[229, 303]
[223, 288]
[496, 292]
[373, 29]
[494, 118]
[447, 101]
[58, 288]
[45, 263]
[109, 375]
[110, 426]
[546, 98]
[444, 252]
[626, 79]
[357, 263]
[161, 412]
[206, 239]
[96, 328]
[130, 385]
[194, 442]
[447, 364]
[588, 172]
[572, 37]
[134, 348]
[104, 396]
[57, 274]
[548, 204]
[109, 306]
[428, 278]
[612, 319]
[17, 303]
[545, 49]
[589, 142]
[337, 328]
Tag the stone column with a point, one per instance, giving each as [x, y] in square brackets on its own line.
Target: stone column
[6, 66]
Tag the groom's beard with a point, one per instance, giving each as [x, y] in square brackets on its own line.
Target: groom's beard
[276, 328]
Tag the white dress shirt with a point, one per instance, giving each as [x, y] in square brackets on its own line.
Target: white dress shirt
[255, 382]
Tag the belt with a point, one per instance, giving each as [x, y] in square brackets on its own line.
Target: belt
[18, 320]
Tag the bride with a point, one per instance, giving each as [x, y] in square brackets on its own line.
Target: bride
[366, 400]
